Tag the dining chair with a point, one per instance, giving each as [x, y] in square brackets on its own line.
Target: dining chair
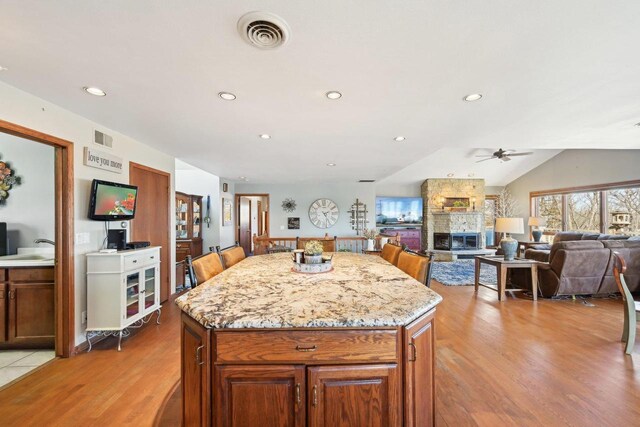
[231, 255]
[329, 244]
[390, 253]
[203, 268]
[631, 307]
[414, 264]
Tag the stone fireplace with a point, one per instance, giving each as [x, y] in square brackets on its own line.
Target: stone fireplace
[456, 227]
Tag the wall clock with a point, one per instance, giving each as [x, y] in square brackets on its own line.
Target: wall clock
[323, 213]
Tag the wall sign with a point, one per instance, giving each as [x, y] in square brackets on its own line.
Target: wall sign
[101, 160]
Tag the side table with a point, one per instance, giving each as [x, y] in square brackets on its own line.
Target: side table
[502, 267]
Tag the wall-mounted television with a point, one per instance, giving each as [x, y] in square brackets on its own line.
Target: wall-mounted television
[398, 211]
[112, 201]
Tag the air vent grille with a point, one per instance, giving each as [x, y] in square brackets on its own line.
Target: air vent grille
[367, 180]
[102, 139]
[263, 30]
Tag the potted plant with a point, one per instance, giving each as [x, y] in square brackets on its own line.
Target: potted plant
[370, 235]
[313, 252]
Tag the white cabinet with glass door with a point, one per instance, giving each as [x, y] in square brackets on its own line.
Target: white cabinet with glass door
[123, 291]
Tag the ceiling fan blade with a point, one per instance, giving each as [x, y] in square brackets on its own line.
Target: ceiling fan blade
[484, 160]
[485, 155]
[520, 154]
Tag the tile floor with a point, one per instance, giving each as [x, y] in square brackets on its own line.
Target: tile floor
[16, 363]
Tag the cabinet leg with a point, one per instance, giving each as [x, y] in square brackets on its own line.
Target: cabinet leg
[120, 341]
[158, 318]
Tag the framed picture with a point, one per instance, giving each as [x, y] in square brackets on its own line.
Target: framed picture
[293, 223]
[227, 207]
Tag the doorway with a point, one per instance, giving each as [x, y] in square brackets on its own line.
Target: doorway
[252, 211]
[63, 278]
[152, 210]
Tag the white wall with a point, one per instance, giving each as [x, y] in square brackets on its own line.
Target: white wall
[29, 211]
[27, 110]
[396, 190]
[344, 195]
[228, 232]
[575, 168]
[198, 182]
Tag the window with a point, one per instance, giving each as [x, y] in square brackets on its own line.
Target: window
[583, 211]
[607, 208]
[623, 211]
[549, 208]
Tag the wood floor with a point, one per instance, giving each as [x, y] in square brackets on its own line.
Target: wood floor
[511, 363]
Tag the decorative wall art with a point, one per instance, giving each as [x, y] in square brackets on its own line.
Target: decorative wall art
[289, 205]
[7, 180]
[293, 223]
[226, 212]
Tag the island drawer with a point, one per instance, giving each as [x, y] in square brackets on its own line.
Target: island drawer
[307, 346]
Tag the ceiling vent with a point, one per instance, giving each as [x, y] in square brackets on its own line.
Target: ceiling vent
[367, 180]
[102, 139]
[263, 30]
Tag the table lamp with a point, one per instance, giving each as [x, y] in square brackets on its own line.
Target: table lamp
[508, 244]
[536, 232]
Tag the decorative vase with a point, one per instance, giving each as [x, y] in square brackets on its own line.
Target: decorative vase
[509, 246]
[371, 244]
[537, 235]
[313, 259]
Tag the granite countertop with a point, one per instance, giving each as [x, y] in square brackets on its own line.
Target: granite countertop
[263, 292]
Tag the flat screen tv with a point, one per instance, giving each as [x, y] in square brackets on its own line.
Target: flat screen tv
[112, 201]
[398, 211]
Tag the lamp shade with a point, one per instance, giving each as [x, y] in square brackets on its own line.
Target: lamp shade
[509, 225]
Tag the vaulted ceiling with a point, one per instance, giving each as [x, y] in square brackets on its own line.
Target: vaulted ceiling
[553, 74]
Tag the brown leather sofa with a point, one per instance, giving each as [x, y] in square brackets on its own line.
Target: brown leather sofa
[542, 251]
[585, 267]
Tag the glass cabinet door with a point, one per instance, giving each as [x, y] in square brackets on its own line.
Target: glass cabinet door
[132, 303]
[196, 217]
[150, 277]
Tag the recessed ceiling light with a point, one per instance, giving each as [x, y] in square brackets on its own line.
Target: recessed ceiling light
[331, 164]
[3, 68]
[227, 96]
[265, 136]
[94, 91]
[334, 94]
[473, 97]
[242, 177]
[399, 138]
[449, 175]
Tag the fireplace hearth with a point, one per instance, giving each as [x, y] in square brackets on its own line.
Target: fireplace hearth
[456, 241]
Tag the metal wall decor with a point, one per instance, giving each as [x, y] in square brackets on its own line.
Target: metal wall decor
[7, 180]
[358, 218]
[288, 205]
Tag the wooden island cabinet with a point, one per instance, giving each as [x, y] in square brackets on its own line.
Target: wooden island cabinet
[308, 377]
[265, 346]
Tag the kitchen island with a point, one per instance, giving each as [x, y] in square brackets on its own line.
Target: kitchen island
[265, 346]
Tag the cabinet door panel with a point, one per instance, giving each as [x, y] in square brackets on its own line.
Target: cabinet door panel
[357, 395]
[248, 396]
[31, 313]
[419, 372]
[196, 374]
[3, 310]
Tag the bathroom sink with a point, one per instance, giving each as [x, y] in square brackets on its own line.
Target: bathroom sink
[29, 257]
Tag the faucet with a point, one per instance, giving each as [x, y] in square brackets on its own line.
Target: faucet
[51, 242]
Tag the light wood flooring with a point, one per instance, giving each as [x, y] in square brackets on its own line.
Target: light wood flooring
[510, 363]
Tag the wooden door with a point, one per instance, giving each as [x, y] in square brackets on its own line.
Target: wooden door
[31, 317]
[419, 372]
[260, 230]
[356, 395]
[3, 309]
[249, 396]
[196, 373]
[244, 224]
[152, 222]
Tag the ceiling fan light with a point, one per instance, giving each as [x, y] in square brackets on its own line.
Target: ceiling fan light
[473, 97]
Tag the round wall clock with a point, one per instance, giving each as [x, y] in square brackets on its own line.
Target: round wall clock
[323, 213]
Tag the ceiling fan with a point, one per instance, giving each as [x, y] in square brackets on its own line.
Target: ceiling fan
[503, 155]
